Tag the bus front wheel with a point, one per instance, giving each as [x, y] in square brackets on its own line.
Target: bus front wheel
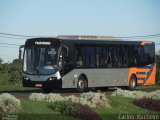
[82, 84]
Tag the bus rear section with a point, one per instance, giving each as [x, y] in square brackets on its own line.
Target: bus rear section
[145, 72]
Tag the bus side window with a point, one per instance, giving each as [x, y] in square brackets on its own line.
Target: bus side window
[79, 62]
[78, 57]
[98, 56]
[85, 56]
[90, 58]
[126, 56]
[68, 62]
[109, 63]
[146, 54]
[65, 54]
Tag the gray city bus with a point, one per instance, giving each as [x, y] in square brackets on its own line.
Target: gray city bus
[83, 62]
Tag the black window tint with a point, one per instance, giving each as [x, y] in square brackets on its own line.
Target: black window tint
[132, 56]
[92, 57]
[68, 58]
[85, 56]
[104, 56]
[78, 56]
[146, 54]
[121, 56]
[114, 56]
[109, 57]
[151, 53]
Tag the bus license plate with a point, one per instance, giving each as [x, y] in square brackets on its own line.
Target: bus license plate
[38, 85]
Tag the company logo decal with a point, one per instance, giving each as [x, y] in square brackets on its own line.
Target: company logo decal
[42, 43]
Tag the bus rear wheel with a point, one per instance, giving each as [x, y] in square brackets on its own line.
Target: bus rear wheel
[132, 82]
[82, 84]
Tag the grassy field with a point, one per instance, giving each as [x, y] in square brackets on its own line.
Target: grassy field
[17, 88]
[32, 110]
[120, 106]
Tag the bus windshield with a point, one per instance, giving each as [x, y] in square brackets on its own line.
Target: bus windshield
[40, 60]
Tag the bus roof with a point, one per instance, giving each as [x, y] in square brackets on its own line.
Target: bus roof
[78, 37]
[87, 39]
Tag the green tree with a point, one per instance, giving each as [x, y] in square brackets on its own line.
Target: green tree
[158, 68]
[17, 62]
[5, 68]
[15, 71]
[1, 61]
[4, 76]
[1, 64]
[159, 52]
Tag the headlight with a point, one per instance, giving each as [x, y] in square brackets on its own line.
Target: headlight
[53, 78]
[25, 78]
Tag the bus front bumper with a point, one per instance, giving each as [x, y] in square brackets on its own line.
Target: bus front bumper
[39, 84]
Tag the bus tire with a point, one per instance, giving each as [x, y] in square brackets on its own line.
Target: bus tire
[82, 84]
[132, 82]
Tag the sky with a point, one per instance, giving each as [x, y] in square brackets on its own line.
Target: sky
[50, 18]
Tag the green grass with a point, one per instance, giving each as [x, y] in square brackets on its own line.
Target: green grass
[149, 86]
[16, 88]
[33, 110]
[34, 107]
[4, 78]
[120, 106]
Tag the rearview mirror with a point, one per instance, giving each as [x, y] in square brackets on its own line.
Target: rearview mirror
[20, 51]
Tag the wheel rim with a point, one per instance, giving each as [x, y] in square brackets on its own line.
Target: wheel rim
[81, 84]
[133, 83]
